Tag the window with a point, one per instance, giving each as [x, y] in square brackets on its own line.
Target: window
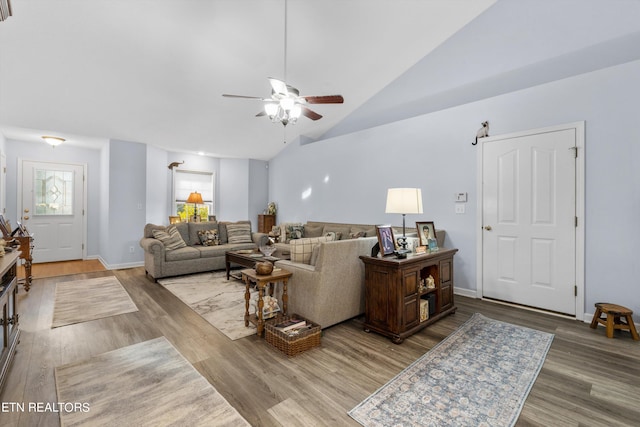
[186, 182]
[53, 192]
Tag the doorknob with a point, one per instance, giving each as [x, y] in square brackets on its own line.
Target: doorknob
[26, 211]
[25, 218]
[487, 227]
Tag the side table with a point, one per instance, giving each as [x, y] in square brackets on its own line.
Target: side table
[249, 276]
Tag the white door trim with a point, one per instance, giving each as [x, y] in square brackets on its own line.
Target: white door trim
[580, 206]
[84, 198]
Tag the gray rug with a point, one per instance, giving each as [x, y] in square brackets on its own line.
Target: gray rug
[90, 299]
[481, 374]
[219, 301]
[145, 384]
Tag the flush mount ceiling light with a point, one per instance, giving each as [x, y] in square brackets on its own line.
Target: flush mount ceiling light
[53, 140]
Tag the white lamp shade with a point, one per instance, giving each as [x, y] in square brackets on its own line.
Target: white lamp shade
[404, 201]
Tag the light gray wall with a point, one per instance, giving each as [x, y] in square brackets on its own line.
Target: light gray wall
[258, 190]
[347, 176]
[65, 153]
[157, 196]
[127, 202]
[234, 190]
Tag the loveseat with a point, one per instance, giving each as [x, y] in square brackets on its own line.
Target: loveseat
[162, 260]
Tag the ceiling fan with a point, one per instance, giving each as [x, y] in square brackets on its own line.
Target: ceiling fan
[286, 105]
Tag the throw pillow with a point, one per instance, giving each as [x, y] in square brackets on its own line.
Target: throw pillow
[333, 235]
[302, 249]
[342, 231]
[294, 232]
[171, 238]
[209, 237]
[239, 233]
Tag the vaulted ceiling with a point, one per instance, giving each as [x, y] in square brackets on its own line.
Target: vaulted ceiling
[153, 71]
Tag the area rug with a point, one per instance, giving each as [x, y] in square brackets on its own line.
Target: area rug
[145, 384]
[90, 299]
[481, 374]
[219, 301]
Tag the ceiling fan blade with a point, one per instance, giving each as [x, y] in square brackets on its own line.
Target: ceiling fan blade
[243, 96]
[327, 99]
[310, 113]
[279, 86]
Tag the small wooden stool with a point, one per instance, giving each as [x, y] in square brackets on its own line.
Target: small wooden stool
[614, 314]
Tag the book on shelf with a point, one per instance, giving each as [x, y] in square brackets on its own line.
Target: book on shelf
[287, 325]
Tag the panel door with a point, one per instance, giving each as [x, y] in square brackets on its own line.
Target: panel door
[529, 206]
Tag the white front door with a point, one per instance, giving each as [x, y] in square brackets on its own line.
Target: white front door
[529, 219]
[53, 209]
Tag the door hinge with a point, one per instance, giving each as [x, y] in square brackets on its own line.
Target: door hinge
[82, 212]
[83, 246]
[575, 290]
[576, 222]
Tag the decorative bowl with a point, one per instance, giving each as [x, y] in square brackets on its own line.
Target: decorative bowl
[263, 268]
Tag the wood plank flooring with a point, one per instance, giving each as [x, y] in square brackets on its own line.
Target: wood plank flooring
[587, 379]
[51, 269]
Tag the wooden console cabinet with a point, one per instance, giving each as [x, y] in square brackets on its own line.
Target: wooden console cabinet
[266, 223]
[394, 291]
[9, 330]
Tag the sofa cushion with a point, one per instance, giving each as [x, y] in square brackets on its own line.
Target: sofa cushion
[239, 233]
[171, 238]
[302, 249]
[182, 254]
[313, 230]
[209, 237]
[342, 231]
[196, 227]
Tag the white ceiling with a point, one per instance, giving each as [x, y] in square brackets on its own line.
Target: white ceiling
[153, 71]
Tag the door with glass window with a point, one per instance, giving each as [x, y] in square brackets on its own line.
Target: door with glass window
[52, 209]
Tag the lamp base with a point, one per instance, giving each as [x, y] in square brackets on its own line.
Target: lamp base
[402, 253]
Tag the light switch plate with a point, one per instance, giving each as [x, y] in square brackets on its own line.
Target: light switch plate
[460, 197]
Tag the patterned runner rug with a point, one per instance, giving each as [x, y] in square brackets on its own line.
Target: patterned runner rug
[219, 301]
[481, 374]
[90, 299]
[145, 384]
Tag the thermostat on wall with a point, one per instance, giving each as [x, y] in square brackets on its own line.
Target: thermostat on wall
[461, 197]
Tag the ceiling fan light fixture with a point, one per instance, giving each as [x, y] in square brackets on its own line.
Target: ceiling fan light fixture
[271, 109]
[295, 111]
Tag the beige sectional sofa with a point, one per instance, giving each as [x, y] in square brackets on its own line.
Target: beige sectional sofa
[159, 261]
[329, 287]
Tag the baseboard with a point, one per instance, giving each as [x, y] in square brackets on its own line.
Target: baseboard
[470, 293]
[120, 266]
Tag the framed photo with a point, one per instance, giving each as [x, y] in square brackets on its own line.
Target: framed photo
[385, 240]
[5, 228]
[426, 232]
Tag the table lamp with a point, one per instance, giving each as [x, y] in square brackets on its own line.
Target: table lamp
[404, 201]
[196, 199]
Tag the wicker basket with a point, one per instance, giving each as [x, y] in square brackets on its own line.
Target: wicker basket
[290, 344]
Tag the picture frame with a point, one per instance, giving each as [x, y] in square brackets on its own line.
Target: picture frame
[426, 231]
[5, 228]
[386, 240]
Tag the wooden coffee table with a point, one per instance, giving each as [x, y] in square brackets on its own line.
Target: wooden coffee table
[246, 259]
[262, 280]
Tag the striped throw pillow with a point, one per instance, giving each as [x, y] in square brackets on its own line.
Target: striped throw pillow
[170, 238]
[239, 233]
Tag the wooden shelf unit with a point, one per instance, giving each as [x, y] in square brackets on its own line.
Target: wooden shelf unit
[266, 222]
[393, 293]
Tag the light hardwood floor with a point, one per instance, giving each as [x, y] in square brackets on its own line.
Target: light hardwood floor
[587, 379]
